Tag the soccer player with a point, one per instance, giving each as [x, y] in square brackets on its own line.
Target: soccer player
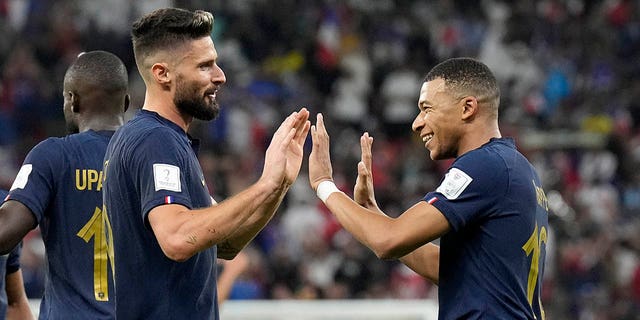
[59, 188]
[167, 233]
[13, 300]
[490, 211]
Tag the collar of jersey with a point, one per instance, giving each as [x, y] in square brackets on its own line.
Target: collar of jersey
[505, 140]
[195, 143]
[162, 119]
[104, 133]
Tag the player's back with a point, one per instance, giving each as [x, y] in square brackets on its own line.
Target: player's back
[61, 182]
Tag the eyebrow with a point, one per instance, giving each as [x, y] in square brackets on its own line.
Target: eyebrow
[424, 102]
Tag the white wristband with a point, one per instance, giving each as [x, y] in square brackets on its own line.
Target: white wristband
[325, 189]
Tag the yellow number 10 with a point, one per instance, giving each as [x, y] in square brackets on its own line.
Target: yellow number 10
[533, 246]
[95, 228]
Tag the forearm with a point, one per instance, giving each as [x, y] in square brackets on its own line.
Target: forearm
[251, 227]
[182, 233]
[371, 227]
[425, 261]
[19, 310]
[389, 238]
[17, 302]
[9, 238]
[16, 220]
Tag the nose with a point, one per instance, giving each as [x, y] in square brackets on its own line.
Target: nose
[418, 123]
[217, 76]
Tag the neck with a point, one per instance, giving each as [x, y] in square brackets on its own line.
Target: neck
[162, 103]
[101, 123]
[476, 138]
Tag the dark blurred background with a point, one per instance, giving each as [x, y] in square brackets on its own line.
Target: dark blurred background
[569, 72]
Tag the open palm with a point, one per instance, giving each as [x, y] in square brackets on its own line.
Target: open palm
[295, 150]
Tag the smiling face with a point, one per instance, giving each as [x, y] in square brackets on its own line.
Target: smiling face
[439, 122]
[198, 79]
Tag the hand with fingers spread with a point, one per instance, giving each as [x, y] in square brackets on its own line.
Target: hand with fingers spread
[284, 154]
[363, 192]
[319, 160]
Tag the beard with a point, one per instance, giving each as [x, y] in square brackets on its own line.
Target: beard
[190, 102]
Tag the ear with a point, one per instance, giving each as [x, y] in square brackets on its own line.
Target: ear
[74, 98]
[160, 73]
[127, 101]
[469, 107]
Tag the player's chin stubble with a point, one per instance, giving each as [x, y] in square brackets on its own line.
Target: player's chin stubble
[195, 105]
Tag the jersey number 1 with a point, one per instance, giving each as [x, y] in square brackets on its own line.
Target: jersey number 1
[98, 228]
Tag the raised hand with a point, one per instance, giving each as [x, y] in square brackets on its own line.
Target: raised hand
[319, 160]
[277, 171]
[294, 152]
[363, 192]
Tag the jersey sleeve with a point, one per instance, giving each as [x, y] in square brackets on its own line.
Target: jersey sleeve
[470, 188]
[160, 175]
[13, 262]
[34, 184]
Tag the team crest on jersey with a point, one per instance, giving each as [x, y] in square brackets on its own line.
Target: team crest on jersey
[166, 177]
[454, 183]
[23, 177]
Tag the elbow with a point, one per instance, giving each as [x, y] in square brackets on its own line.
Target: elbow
[387, 255]
[388, 249]
[7, 243]
[227, 255]
[177, 250]
[227, 251]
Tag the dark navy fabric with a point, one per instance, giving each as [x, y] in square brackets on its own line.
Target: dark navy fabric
[499, 225]
[151, 162]
[61, 182]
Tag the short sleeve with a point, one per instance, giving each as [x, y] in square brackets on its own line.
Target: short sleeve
[160, 171]
[470, 188]
[34, 184]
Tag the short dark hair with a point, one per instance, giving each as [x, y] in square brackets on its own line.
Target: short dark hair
[97, 69]
[168, 28]
[468, 77]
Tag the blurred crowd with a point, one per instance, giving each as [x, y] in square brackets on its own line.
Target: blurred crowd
[569, 72]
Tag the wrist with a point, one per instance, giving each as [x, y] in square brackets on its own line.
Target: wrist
[267, 186]
[325, 189]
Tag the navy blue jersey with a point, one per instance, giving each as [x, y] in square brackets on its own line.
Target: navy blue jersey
[492, 260]
[60, 182]
[9, 263]
[151, 162]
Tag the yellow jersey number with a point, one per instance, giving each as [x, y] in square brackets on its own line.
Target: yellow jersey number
[532, 248]
[99, 228]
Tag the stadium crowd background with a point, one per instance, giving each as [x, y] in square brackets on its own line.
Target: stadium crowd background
[570, 79]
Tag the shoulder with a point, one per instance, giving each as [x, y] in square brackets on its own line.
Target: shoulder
[48, 149]
[142, 133]
[488, 165]
[485, 159]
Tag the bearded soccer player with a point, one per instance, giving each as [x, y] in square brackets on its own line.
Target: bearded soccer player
[59, 188]
[490, 211]
[167, 232]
